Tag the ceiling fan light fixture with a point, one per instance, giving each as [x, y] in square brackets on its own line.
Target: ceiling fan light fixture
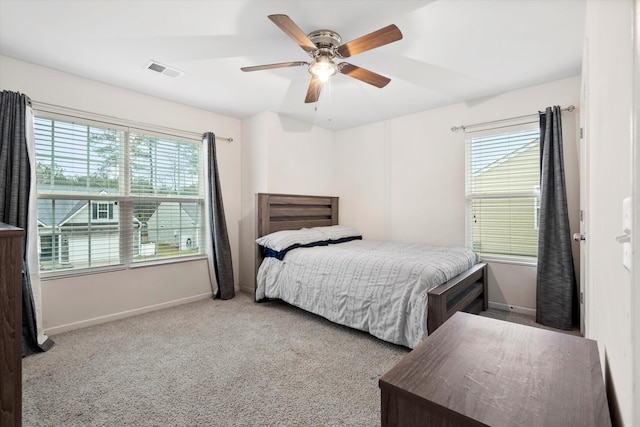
[322, 68]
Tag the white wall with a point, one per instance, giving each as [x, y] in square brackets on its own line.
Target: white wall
[280, 155]
[403, 179]
[75, 302]
[608, 99]
[363, 174]
[255, 145]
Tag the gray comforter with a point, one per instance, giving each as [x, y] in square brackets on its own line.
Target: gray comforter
[376, 286]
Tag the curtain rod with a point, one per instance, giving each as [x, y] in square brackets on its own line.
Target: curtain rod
[58, 109]
[570, 108]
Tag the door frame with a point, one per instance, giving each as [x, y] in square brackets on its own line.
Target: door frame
[584, 291]
[635, 225]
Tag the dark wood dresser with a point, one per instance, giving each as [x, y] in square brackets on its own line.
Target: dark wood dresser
[477, 371]
[10, 325]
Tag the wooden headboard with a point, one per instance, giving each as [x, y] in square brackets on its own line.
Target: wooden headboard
[276, 212]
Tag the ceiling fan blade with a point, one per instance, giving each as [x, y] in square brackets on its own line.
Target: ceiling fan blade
[383, 36]
[363, 74]
[290, 28]
[313, 92]
[278, 65]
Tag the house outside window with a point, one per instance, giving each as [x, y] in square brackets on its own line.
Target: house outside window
[503, 196]
[108, 194]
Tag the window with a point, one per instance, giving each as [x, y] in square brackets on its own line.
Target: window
[503, 194]
[112, 196]
[536, 208]
[102, 211]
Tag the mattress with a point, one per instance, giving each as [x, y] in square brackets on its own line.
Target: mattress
[380, 287]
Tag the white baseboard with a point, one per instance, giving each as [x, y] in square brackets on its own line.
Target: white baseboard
[512, 308]
[123, 314]
[247, 289]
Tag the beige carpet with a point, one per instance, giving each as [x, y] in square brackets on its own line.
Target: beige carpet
[210, 363]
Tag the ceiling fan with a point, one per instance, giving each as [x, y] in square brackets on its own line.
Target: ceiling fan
[323, 46]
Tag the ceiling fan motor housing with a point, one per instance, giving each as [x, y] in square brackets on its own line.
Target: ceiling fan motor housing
[326, 40]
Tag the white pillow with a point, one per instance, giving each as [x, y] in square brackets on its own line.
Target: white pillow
[336, 232]
[281, 240]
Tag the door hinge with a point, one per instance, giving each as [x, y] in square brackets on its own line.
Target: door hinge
[581, 297]
[581, 133]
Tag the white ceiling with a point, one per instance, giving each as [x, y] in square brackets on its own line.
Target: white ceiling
[452, 51]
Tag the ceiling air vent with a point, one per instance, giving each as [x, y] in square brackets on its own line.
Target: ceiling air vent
[163, 69]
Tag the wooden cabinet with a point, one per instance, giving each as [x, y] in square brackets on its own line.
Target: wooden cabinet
[11, 325]
[476, 371]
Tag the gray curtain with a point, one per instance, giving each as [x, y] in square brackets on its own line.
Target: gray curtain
[556, 291]
[15, 181]
[220, 249]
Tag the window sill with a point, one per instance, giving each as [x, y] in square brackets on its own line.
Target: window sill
[142, 264]
[55, 275]
[511, 261]
[45, 276]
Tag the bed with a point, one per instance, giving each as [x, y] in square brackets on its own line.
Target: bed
[460, 284]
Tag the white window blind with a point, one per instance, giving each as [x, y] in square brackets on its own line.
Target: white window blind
[112, 196]
[167, 189]
[503, 182]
